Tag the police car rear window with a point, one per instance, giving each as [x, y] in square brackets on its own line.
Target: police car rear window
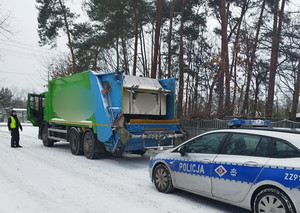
[283, 150]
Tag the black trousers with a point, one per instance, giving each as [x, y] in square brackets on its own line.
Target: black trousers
[15, 137]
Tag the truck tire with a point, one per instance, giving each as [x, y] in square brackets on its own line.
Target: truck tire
[89, 145]
[76, 146]
[46, 141]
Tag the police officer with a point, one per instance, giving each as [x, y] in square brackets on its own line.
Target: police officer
[13, 126]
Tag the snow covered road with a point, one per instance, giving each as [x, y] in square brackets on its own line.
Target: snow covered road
[40, 179]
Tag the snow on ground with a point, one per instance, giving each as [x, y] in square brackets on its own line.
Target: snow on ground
[46, 180]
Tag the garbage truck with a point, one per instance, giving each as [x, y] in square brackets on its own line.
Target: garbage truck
[106, 112]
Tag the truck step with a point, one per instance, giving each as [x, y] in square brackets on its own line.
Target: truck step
[57, 130]
[56, 138]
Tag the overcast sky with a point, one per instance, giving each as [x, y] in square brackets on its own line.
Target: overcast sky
[22, 61]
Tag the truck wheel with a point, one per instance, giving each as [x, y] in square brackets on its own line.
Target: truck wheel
[75, 142]
[272, 200]
[46, 141]
[89, 145]
[162, 179]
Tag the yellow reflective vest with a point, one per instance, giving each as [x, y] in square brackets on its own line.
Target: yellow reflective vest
[13, 123]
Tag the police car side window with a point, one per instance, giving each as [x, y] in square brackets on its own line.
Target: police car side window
[283, 150]
[244, 144]
[262, 149]
[205, 144]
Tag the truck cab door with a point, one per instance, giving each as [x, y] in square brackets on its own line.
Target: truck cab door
[35, 108]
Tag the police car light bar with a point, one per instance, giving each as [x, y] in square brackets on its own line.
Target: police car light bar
[248, 123]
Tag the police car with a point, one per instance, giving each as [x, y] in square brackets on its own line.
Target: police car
[256, 169]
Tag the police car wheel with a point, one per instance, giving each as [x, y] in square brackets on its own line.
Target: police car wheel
[272, 200]
[162, 179]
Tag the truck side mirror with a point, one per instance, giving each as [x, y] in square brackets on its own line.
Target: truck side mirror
[182, 150]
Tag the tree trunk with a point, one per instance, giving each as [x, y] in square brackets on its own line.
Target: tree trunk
[181, 66]
[152, 48]
[195, 99]
[256, 92]
[94, 67]
[135, 37]
[234, 85]
[274, 56]
[156, 39]
[245, 109]
[170, 38]
[236, 41]
[124, 56]
[118, 57]
[186, 95]
[211, 91]
[224, 55]
[188, 84]
[296, 95]
[143, 49]
[142, 54]
[159, 62]
[220, 79]
[69, 36]
[195, 105]
[190, 98]
[236, 52]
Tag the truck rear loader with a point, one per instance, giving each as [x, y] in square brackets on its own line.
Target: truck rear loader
[110, 112]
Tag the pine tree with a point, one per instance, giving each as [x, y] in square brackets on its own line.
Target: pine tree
[54, 15]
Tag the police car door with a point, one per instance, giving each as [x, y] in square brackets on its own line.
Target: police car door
[192, 168]
[236, 169]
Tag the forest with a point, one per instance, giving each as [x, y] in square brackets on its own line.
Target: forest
[230, 58]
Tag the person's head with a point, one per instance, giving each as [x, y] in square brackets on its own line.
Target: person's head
[13, 112]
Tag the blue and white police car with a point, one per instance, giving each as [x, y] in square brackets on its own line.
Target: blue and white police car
[256, 169]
